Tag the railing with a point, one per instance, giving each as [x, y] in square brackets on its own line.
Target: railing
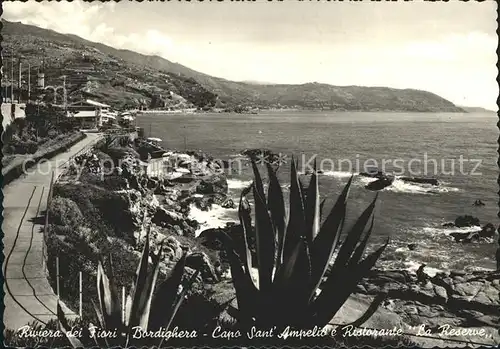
[46, 226]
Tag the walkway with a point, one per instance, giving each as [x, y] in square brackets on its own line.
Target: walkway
[28, 295]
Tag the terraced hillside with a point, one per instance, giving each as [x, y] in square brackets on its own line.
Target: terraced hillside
[127, 79]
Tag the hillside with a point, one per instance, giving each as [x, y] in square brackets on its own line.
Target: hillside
[477, 110]
[125, 79]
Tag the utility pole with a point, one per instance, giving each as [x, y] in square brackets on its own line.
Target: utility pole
[12, 79]
[29, 82]
[64, 93]
[19, 82]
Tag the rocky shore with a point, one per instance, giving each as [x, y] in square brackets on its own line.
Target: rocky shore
[455, 300]
[166, 189]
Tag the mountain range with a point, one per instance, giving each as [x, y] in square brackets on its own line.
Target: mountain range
[127, 79]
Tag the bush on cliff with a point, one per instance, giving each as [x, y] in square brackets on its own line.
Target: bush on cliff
[118, 153]
[103, 210]
[64, 211]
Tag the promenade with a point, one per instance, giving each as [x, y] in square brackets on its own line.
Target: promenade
[28, 295]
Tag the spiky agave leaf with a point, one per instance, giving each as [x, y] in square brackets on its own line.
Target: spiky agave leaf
[143, 287]
[178, 302]
[321, 207]
[312, 207]
[244, 214]
[246, 292]
[66, 328]
[296, 223]
[166, 295]
[360, 249]
[108, 297]
[327, 239]
[265, 241]
[353, 237]
[102, 322]
[276, 205]
[147, 295]
[285, 294]
[333, 295]
[374, 305]
[300, 281]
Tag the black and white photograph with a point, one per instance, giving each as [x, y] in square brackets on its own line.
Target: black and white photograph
[250, 174]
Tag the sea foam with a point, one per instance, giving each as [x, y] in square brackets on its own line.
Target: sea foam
[216, 217]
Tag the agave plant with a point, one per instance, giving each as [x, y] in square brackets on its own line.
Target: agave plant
[143, 308]
[293, 287]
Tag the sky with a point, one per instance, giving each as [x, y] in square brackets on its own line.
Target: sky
[448, 48]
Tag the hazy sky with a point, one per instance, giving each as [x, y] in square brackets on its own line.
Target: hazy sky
[446, 48]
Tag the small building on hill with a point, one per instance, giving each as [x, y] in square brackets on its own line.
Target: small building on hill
[91, 114]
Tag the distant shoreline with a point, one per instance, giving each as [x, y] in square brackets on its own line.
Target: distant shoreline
[295, 110]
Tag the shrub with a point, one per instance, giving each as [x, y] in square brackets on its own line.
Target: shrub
[103, 210]
[145, 308]
[64, 211]
[118, 153]
[25, 147]
[294, 256]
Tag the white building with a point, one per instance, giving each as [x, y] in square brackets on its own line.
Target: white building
[91, 114]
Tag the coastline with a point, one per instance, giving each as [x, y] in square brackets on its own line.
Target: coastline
[189, 201]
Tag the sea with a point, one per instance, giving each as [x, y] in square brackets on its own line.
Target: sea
[458, 149]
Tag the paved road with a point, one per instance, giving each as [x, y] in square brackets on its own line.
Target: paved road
[28, 295]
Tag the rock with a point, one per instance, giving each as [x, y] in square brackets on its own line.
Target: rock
[172, 248]
[152, 183]
[201, 262]
[488, 231]
[229, 203]
[412, 247]
[178, 230]
[380, 184]
[448, 225]
[465, 237]
[420, 180]
[478, 203]
[261, 154]
[213, 184]
[466, 221]
[203, 203]
[163, 217]
[441, 292]
[226, 164]
[211, 239]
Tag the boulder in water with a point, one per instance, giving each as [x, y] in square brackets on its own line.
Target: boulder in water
[261, 154]
[228, 203]
[488, 231]
[380, 184]
[466, 221]
[478, 203]
[420, 180]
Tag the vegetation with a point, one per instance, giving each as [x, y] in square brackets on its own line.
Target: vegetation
[103, 210]
[142, 308]
[293, 257]
[43, 129]
[63, 211]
